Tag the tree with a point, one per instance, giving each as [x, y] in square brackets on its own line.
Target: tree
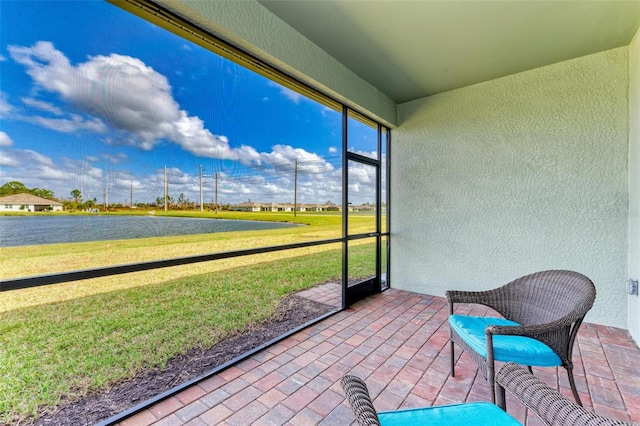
[69, 205]
[12, 188]
[15, 187]
[77, 195]
[160, 201]
[43, 193]
[182, 200]
[89, 204]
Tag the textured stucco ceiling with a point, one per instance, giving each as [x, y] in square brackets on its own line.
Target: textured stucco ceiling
[411, 49]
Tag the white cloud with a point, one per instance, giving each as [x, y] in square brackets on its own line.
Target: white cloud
[122, 92]
[283, 157]
[370, 154]
[36, 170]
[44, 106]
[292, 95]
[48, 173]
[113, 159]
[333, 150]
[8, 160]
[5, 107]
[68, 125]
[5, 139]
[32, 156]
[295, 97]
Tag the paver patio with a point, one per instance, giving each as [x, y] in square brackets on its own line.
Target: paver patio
[397, 342]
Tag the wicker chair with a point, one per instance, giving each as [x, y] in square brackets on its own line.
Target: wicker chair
[473, 413]
[552, 408]
[541, 316]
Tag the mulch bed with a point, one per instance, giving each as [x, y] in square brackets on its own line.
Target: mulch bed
[293, 312]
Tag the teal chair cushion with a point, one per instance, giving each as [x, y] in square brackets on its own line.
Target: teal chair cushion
[472, 413]
[519, 349]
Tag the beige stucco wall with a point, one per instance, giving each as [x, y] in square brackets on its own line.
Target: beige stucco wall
[634, 182]
[516, 175]
[250, 26]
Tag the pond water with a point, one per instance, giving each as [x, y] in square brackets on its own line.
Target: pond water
[32, 230]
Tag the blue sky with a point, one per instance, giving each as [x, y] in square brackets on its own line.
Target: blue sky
[93, 97]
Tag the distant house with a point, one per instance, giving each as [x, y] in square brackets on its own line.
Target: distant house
[247, 206]
[362, 208]
[275, 207]
[319, 207]
[28, 203]
[269, 207]
[250, 206]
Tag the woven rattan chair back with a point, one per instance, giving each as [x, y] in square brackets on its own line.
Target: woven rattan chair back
[544, 297]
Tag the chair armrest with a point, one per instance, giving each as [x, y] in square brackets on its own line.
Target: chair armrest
[547, 403]
[552, 334]
[358, 396]
[534, 330]
[481, 297]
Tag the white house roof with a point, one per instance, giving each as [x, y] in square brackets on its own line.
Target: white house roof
[27, 199]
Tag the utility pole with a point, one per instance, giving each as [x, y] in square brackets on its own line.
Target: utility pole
[201, 202]
[131, 205]
[166, 189]
[295, 190]
[106, 195]
[216, 192]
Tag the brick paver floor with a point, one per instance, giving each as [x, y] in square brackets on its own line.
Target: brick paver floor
[397, 342]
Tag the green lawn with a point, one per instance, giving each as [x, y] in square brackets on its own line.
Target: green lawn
[73, 338]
